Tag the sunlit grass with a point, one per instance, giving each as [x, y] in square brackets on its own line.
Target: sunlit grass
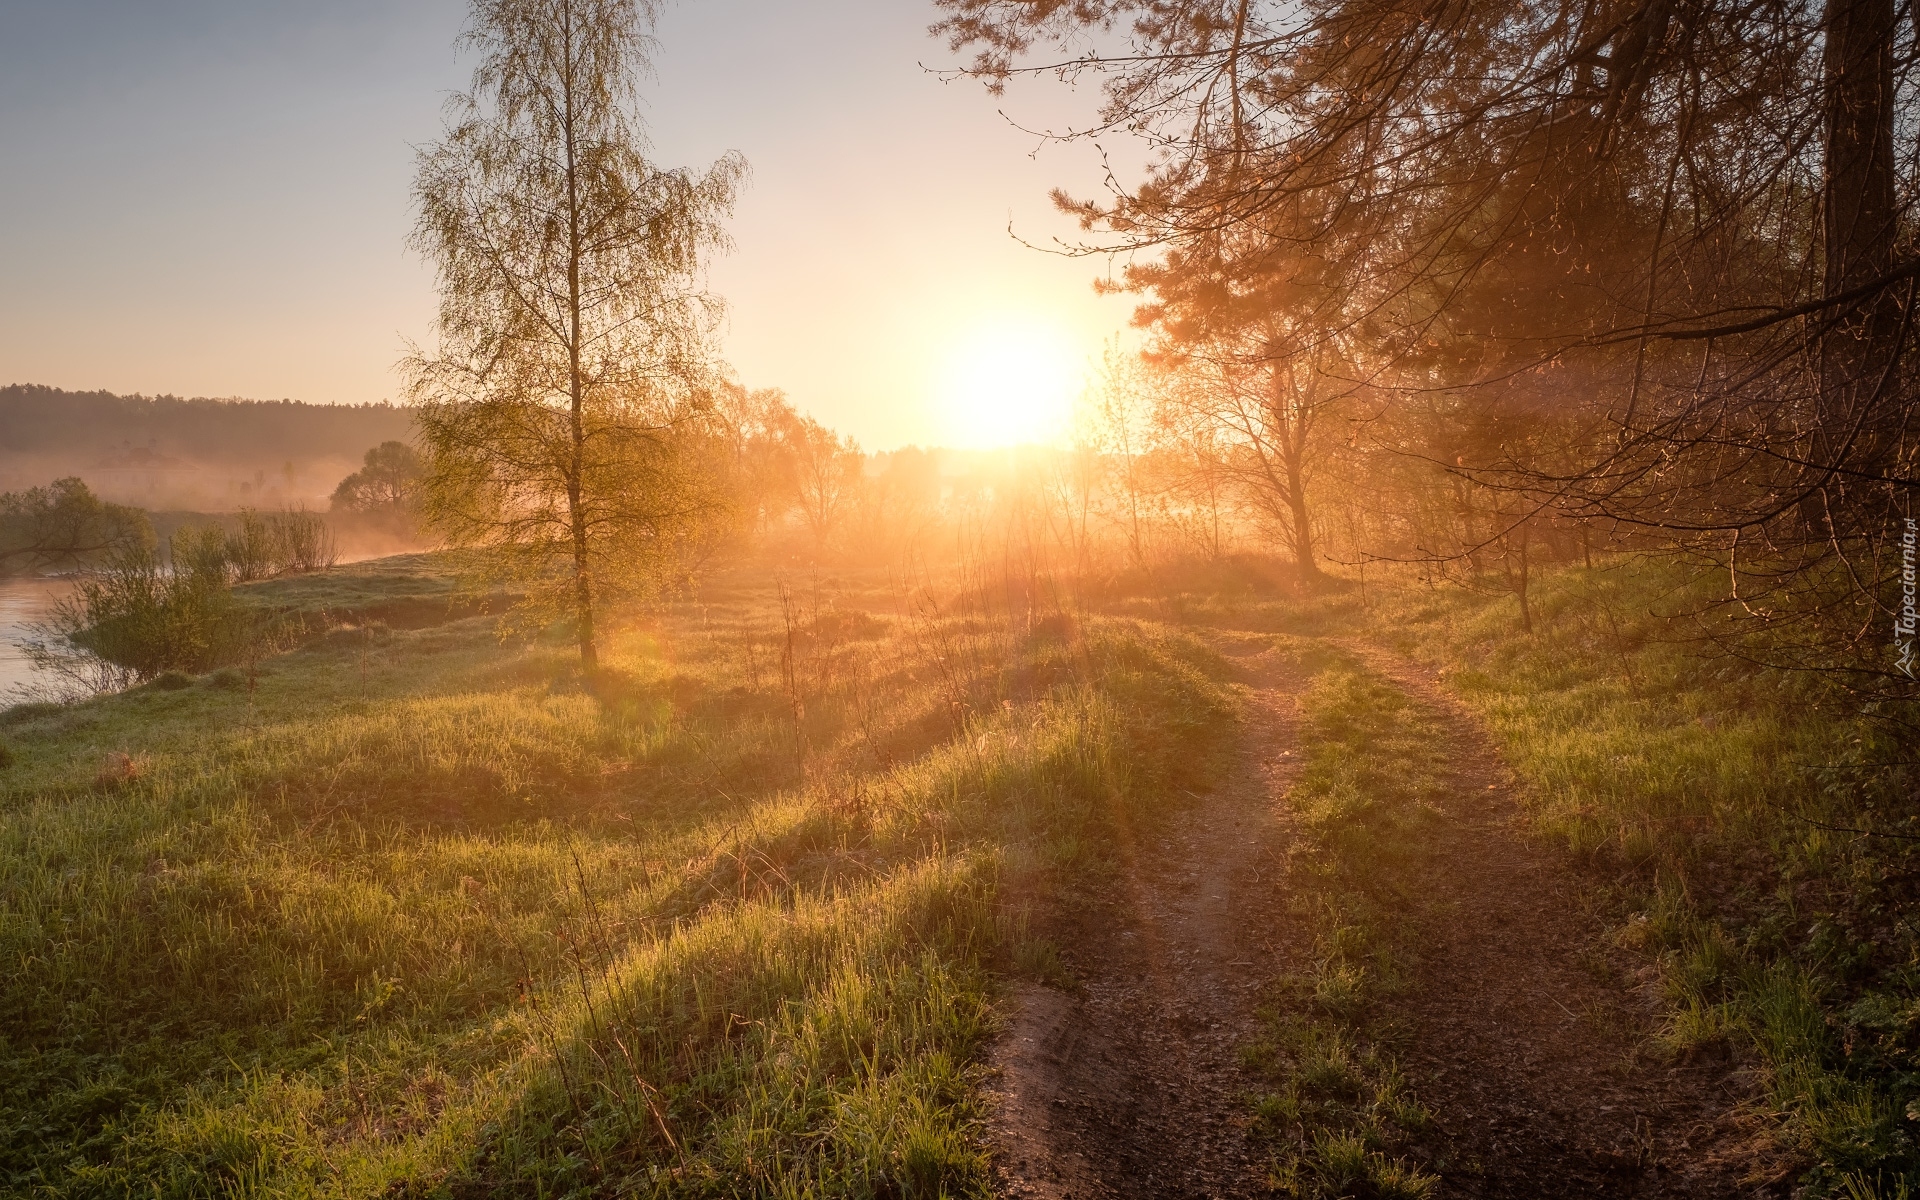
[1734, 799]
[414, 910]
[1750, 831]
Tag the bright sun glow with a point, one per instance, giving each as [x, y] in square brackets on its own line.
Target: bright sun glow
[1009, 384]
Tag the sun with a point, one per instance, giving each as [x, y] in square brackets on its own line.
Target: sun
[1008, 383]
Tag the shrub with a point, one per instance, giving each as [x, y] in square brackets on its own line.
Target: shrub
[252, 552]
[304, 542]
[147, 619]
[201, 552]
[139, 620]
[286, 543]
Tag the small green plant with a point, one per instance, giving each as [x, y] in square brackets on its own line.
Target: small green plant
[1039, 960]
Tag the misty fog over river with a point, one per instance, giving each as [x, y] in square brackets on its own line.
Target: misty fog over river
[22, 602]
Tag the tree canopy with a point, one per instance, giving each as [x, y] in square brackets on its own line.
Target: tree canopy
[1669, 239]
[63, 526]
[387, 482]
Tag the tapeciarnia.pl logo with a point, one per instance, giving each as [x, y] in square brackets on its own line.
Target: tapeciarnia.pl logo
[1904, 624]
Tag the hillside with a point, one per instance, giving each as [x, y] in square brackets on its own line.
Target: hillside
[790, 890]
[199, 454]
[1227, 887]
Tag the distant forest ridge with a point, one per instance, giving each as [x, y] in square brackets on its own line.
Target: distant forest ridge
[204, 454]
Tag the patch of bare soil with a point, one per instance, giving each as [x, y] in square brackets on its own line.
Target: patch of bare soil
[1131, 1086]
[1525, 1045]
[1528, 1046]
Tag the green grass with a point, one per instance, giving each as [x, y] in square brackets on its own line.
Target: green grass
[1752, 831]
[359, 586]
[1758, 824]
[410, 911]
[1338, 1114]
[413, 910]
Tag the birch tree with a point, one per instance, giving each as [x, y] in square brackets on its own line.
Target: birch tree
[560, 411]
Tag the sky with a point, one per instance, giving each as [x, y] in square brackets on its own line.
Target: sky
[211, 197]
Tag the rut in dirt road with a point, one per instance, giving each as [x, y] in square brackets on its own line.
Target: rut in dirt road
[1525, 1055]
[1132, 1087]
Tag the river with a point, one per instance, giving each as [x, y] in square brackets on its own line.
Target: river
[22, 602]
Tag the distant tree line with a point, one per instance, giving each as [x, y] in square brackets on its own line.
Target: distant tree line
[45, 421]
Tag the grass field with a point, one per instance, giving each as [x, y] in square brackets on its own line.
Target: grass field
[415, 912]
[1756, 827]
[1750, 832]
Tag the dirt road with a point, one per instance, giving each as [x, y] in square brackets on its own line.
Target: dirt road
[1527, 1045]
[1133, 1087]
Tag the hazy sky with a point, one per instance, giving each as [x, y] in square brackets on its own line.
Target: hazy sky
[210, 197]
